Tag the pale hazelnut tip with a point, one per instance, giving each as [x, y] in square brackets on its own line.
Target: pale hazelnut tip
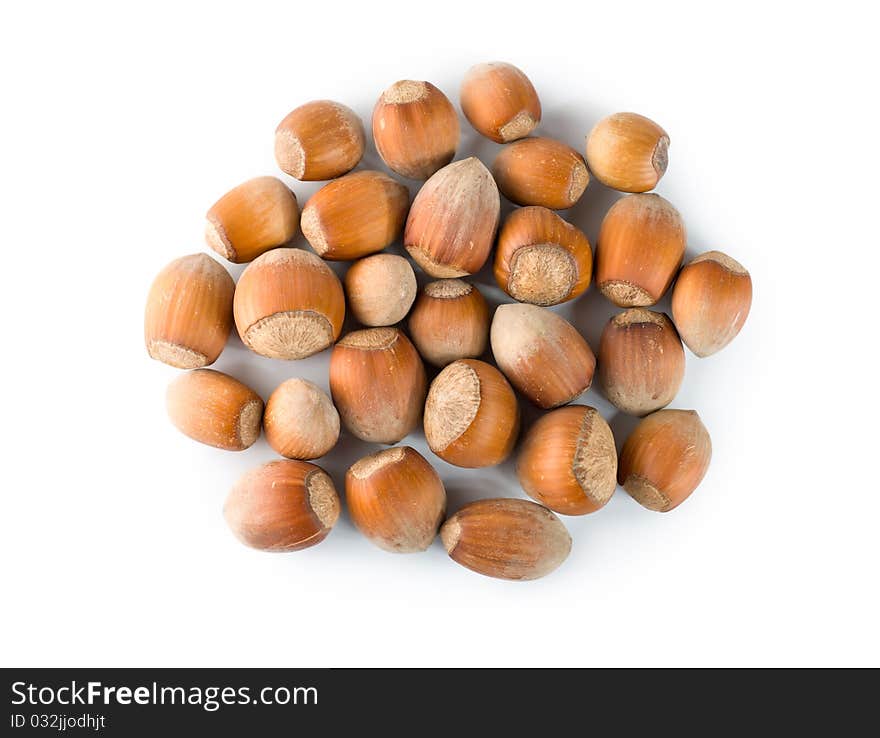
[289, 154]
[216, 238]
[292, 334]
[522, 124]
[173, 354]
[450, 534]
[323, 498]
[249, 423]
[646, 494]
[626, 294]
[313, 230]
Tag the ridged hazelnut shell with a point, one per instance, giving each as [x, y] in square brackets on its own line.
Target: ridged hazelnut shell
[396, 499]
[252, 218]
[711, 301]
[415, 128]
[449, 321]
[300, 420]
[541, 259]
[378, 384]
[506, 539]
[541, 354]
[568, 461]
[215, 409]
[471, 415]
[541, 171]
[189, 312]
[319, 140]
[665, 458]
[355, 215]
[628, 152]
[380, 289]
[500, 101]
[641, 361]
[288, 305]
[453, 219]
[640, 248]
[282, 506]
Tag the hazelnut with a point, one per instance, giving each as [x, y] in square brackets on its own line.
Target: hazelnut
[449, 321]
[355, 215]
[641, 245]
[541, 171]
[628, 152]
[380, 289]
[282, 506]
[378, 384]
[415, 128]
[541, 354]
[215, 409]
[568, 461]
[288, 305]
[452, 222]
[396, 499]
[711, 301]
[541, 259]
[300, 420]
[665, 458]
[641, 361]
[189, 312]
[500, 101]
[506, 539]
[252, 218]
[471, 415]
[319, 140]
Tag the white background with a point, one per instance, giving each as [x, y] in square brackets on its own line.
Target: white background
[121, 126]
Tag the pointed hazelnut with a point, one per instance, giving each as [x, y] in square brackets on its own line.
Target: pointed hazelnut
[452, 222]
[640, 248]
[449, 321]
[506, 539]
[288, 305]
[378, 384]
[641, 361]
[541, 171]
[415, 128]
[711, 301]
[189, 312]
[665, 458]
[396, 499]
[355, 215]
[471, 415]
[568, 461]
[282, 506]
[628, 152]
[252, 218]
[541, 354]
[500, 101]
[541, 259]
[319, 140]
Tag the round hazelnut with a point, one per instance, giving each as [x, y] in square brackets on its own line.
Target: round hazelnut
[396, 499]
[665, 459]
[380, 289]
[449, 321]
[568, 461]
[640, 248]
[300, 420]
[541, 259]
[252, 218]
[282, 506]
[628, 152]
[355, 215]
[189, 312]
[506, 539]
[319, 140]
[288, 305]
[378, 384]
[415, 128]
[641, 361]
[471, 415]
[541, 171]
[711, 301]
[500, 101]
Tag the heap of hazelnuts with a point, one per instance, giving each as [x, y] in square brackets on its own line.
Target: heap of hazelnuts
[288, 304]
